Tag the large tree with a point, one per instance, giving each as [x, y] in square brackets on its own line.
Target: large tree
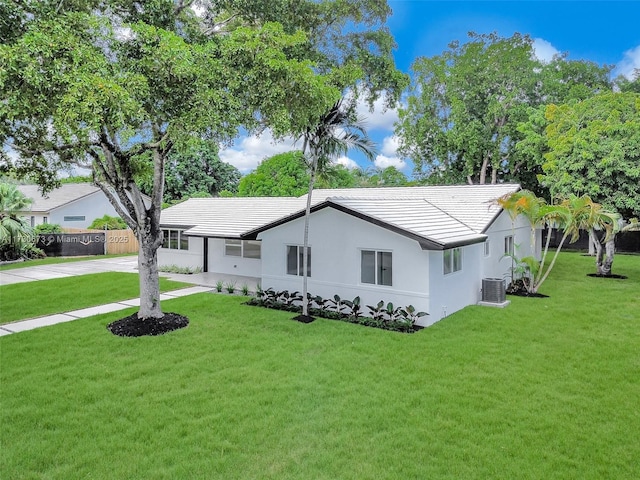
[593, 148]
[198, 170]
[116, 85]
[464, 106]
[282, 175]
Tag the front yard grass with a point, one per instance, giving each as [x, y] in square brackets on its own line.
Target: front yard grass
[33, 299]
[546, 388]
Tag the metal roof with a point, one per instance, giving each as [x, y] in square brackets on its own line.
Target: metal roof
[227, 217]
[67, 193]
[435, 216]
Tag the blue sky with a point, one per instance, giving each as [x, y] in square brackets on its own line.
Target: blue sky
[600, 31]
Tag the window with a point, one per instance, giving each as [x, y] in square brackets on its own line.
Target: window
[45, 219]
[74, 218]
[487, 248]
[33, 221]
[508, 245]
[251, 248]
[233, 248]
[295, 260]
[452, 260]
[376, 267]
[242, 248]
[175, 240]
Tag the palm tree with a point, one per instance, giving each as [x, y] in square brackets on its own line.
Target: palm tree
[570, 216]
[593, 217]
[336, 132]
[15, 233]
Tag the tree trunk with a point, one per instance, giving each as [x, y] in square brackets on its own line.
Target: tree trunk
[604, 260]
[592, 243]
[305, 252]
[149, 279]
[483, 169]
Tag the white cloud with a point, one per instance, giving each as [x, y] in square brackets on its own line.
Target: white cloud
[383, 161]
[630, 62]
[379, 119]
[543, 50]
[347, 162]
[390, 146]
[250, 151]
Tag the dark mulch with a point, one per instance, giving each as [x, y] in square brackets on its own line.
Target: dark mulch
[613, 275]
[132, 326]
[520, 293]
[303, 318]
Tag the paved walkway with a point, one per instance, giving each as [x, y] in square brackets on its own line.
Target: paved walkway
[204, 282]
[47, 320]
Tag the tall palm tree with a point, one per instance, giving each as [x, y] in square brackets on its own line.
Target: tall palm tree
[15, 233]
[337, 132]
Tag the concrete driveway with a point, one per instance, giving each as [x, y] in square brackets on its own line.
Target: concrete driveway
[71, 269]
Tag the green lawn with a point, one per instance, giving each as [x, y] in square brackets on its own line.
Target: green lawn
[53, 260]
[34, 299]
[544, 389]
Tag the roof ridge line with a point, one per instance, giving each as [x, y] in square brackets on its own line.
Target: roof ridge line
[451, 216]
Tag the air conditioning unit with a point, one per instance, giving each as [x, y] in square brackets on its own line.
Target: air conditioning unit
[494, 290]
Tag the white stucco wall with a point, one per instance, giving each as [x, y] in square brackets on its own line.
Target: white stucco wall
[495, 265]
[336, 240]
[191, 258]
[231, 265]
[456, 290]
[91, 207]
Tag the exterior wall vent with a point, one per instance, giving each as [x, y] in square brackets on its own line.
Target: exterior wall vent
[493, 290]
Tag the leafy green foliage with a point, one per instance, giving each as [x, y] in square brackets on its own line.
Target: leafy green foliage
[282, 175]
[47, 228]
[107, 222]
[115, 86]
[593, 148]
[463, 109]
[15, 234]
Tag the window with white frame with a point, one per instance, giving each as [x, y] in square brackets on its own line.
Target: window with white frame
[45, 219]
[487, 248]
[74, 218]
[33, 221]
[376, 267]
[508, 245]
[242, 248]
[295, 260]
[174, 240]
[452, 260]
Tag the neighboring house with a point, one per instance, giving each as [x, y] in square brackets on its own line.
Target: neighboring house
[72, 205]
[424, 246]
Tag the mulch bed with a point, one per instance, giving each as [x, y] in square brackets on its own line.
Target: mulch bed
[303, 318]
[520, 293]
[613, 275]
[132, 326]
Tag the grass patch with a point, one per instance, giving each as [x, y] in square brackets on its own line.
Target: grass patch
[546, 388]
[55, 260]
[33, 299]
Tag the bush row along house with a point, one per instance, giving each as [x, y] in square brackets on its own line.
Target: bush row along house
[429, 247]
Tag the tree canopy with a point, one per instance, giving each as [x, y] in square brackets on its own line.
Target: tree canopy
[464, 106]
[115, 85]
[592, 148]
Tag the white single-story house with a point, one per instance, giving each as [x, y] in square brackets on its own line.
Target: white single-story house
[429, 247]
[73, 205]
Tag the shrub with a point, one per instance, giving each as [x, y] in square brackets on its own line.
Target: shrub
[398, 319]
[108, 223]
[219, 286]
[47, 228]
[177, 269]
